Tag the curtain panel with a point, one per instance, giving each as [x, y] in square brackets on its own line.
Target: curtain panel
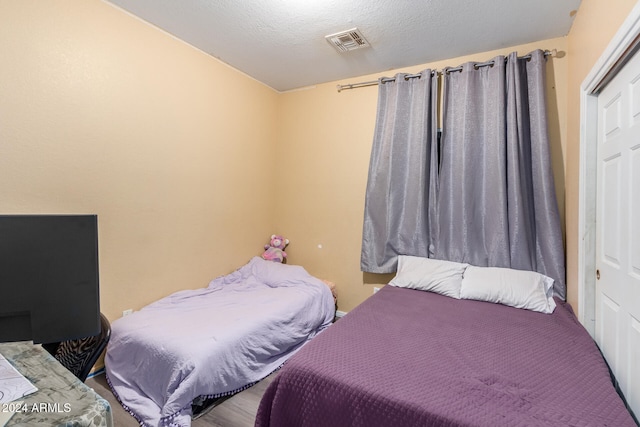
[497, 204]
[401, 187]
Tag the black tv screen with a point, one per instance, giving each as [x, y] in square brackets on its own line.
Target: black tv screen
[49, 287]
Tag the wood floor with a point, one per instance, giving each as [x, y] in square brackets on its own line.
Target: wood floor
[237, 411]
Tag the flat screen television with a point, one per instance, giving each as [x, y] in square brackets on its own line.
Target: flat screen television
[49, 286]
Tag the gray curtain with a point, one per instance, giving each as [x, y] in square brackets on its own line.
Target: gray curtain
[496, 203]
[400, 197]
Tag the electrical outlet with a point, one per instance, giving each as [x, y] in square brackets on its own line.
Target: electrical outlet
[127, 312]
[376, 289]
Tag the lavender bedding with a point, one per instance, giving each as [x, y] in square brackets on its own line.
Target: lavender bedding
[213, 340]
[413, 358]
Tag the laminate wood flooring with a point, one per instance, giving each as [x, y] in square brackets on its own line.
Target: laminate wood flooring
[237, 411]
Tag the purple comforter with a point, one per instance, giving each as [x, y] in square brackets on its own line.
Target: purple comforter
[213, 340]
[412, 358]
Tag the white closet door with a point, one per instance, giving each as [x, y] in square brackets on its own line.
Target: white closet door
[618, 229]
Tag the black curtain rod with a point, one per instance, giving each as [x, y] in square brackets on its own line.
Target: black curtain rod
[340, 88]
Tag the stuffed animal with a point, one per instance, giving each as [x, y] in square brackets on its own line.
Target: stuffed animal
[275, 249]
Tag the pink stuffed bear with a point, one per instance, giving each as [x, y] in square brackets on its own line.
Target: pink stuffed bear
[275, 249]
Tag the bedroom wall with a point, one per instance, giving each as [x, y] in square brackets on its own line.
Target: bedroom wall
[333, 132]
[595, 25]
[324, 144]
[103, 113]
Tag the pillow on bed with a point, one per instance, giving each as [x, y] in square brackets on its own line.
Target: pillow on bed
[426, 274]
[515, 288]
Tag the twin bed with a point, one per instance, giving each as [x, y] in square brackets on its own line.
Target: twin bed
[214, 341]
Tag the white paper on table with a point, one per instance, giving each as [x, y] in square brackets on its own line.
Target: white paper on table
[12, 384]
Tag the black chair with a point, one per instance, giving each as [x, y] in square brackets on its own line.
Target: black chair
[79, 355]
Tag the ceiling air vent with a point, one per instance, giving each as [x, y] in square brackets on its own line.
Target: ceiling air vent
[347, 40]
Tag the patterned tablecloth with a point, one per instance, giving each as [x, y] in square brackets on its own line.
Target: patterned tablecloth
[61, 399]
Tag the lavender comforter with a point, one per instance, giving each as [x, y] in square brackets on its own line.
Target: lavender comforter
[412, 358]
[213, 340]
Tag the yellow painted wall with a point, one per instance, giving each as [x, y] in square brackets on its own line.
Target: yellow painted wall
[103, 113]
[324, 143]
[595, 25]
[333, 132]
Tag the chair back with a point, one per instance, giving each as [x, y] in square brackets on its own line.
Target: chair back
[79, 355]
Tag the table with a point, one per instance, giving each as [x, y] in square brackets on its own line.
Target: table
[61, 399]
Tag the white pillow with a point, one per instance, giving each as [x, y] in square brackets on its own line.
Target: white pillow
[425, 274]
[515, 288]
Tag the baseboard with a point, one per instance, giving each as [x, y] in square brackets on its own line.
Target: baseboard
[340, 314]
[95, 372]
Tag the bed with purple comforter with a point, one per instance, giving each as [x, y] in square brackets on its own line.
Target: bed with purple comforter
[214, 340]
[412, 358]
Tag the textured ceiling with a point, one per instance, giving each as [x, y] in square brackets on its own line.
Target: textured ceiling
[282, 42]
